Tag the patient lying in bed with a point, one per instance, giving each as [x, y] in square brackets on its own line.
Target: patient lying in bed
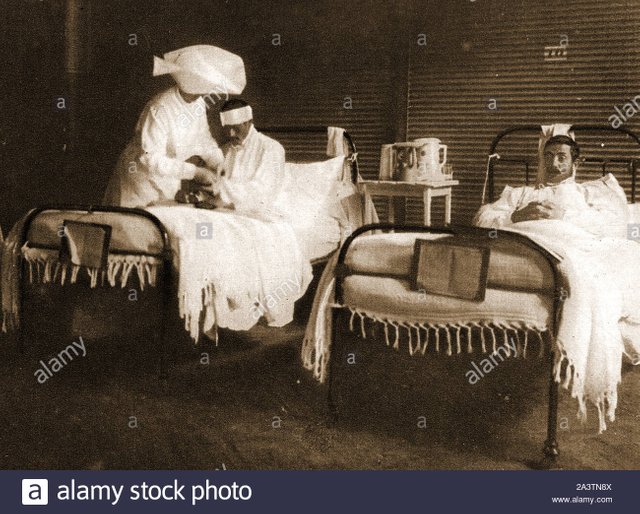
[585, 226]
[597, 206]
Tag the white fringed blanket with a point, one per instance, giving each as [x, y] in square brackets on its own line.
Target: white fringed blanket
[600, 319]
[436, 322]
[234, 269]
[45, 267]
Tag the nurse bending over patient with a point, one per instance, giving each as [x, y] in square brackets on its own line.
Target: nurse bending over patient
[172, 140]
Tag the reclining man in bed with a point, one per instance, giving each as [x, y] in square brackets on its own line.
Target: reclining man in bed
[598, 206]
[585, 225]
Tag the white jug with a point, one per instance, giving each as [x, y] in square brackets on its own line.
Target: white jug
[429, 160]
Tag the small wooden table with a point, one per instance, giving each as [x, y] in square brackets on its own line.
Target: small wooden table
[424, 190]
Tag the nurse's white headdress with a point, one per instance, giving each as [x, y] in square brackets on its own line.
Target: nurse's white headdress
[203, 69]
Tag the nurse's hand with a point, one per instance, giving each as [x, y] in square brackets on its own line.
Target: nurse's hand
[207, 180]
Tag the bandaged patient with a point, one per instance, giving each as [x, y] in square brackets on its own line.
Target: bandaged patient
[597, 206]
[252, 172]
[584, 225]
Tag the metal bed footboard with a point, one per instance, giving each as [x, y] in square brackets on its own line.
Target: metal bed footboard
[166, 274]
[550, 448]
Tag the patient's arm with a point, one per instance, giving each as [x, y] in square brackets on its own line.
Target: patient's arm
[498, 214]
[539, 211]
[259, 189]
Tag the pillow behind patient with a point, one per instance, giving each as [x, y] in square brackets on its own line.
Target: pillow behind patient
[606, 195]
[309, 197]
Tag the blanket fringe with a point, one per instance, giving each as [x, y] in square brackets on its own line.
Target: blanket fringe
[514, 345]
[45, 267]
[316, 352]
[606, 403]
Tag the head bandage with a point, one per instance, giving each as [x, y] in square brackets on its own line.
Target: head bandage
[236, 116]
[203, 69]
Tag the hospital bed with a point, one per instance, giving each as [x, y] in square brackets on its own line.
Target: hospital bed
[140, 252]
[376, 266]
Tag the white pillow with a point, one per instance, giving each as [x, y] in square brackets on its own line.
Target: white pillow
[634, 212]
[309, 200]
[310, 189]
[606, 194]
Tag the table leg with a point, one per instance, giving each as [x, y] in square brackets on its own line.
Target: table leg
[367, 206]
[427, 206]
[391, 209]
[447, 207]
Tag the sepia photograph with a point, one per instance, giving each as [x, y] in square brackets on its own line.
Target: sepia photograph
[320, 235]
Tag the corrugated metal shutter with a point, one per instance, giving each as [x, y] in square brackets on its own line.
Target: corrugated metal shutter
[494, 50]
[356, 99]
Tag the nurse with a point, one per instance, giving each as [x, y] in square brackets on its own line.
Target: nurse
[172, 141]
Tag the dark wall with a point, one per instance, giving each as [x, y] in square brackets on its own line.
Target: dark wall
[33, 131]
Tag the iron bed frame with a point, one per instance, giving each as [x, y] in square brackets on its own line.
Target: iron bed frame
[166, 253]
[550, 447]
[535, 129]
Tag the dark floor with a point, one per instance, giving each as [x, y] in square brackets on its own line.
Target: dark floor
[254, 407]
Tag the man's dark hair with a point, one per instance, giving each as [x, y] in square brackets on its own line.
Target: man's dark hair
[565, 140]
[233, 103]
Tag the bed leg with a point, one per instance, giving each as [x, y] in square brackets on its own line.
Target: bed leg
[164, 373]
[550, 450]
[164, 325]
[331, 400]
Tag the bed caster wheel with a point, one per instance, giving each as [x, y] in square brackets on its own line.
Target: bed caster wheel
[551, 455]
[551, 449]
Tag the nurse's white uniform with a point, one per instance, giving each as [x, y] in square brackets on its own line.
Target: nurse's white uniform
[169, 131]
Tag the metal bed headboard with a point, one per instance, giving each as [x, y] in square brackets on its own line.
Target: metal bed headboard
[535, 129]
[319, 129]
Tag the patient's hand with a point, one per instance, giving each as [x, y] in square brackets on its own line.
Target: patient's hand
[197, 160]
[207, 180]
[538, 211]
